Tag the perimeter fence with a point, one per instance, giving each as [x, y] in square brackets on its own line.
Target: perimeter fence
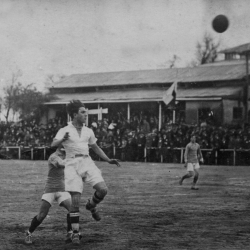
[234, 157]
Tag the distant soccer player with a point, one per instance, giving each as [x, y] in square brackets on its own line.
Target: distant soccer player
[192, 156]
[54, 191]
[76, 138]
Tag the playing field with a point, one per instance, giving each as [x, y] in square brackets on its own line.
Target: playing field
[144, 209]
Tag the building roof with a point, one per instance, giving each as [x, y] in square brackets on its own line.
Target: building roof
[242, 49]
[228, 62]
[148, 95]
[196, 74]
[126, 95]
[223, 92]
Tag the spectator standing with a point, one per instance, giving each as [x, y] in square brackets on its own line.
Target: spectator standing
[141, 142]
[145, 128]
[131, 147]
[123, 148]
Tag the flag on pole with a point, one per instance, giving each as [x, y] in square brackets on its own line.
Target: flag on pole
[170, 93]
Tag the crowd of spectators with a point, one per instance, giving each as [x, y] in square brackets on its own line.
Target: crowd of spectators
[130, 139]
[29, 133]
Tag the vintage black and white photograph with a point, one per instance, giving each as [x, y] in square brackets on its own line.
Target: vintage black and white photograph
[125, 124]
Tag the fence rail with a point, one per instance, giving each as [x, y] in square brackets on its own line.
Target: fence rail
[25, 152]
[148, 154]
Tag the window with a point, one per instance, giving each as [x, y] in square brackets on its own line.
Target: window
[232, 56]
[237, 113]
[205, 114]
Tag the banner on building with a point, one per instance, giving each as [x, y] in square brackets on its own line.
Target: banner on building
[170, 94]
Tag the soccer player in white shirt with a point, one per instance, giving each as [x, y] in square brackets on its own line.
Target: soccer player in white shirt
[79, 167]
[192, 156]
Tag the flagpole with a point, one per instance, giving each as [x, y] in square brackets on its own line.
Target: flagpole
[160, 114]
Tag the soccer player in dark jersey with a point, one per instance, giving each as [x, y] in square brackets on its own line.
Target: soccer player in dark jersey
[192, 156]
[54, 191]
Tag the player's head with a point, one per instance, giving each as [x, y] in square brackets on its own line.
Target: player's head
[193, 138]
[75, 109]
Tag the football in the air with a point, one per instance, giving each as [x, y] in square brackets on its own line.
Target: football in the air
[220, 23]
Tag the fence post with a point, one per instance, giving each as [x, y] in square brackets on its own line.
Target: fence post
[234, 156]
[181, 155]
[31, 153]
[7, 151]
[114, 150]
[216, 157]
[145, 154]
[44, 153]
[19, 153]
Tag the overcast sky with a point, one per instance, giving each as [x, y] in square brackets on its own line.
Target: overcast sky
[64, 37]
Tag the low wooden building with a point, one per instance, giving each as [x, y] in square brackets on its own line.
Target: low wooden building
[213, 91]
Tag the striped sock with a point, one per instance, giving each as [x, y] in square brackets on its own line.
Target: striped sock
[95, 200]
[69, 228]
[74, 220]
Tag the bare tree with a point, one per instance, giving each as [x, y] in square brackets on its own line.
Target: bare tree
[170, 63]
[207, 50]
[31, 102]
[52, 79]
[173, 61]
[12, 91]
[26, 100]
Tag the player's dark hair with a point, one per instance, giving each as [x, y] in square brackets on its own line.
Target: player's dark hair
[73, 107]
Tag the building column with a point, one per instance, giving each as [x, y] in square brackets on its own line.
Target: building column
[87, 120]
[99, 115]
[128, 113]
[68, 116]
[160, 115]
[247, 86]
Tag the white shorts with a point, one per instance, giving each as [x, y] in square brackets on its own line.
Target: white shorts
[79, 170]
[58, 196]
[192, 166]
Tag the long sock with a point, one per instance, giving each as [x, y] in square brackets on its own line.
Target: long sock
[34, 224]
[95, 199]
[69, 228]
[185, 177]
[195, 179]
[74, 220]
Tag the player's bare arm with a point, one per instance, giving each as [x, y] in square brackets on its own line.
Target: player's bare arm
[57, 162]
[60, 164]
[58, 142]
[185, 155]
[100, 152]
[200, 154]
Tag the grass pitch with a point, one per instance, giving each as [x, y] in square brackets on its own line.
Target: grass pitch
[144, 209]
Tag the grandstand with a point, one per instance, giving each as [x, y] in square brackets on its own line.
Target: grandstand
[128, 114]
